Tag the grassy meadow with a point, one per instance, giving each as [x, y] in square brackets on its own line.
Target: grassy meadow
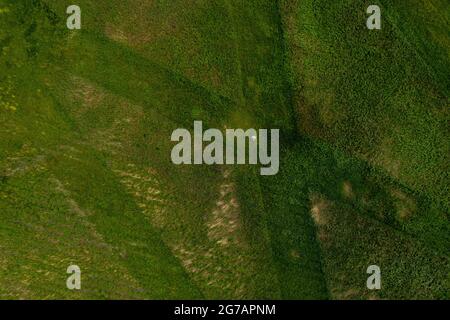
[86, 177]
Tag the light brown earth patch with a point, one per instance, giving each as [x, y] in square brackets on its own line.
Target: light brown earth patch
[406, 205]
[87, 95]
[145, 187]
[295, 254]
[319, 209]
[386, 158]
[25, 160]
[224, 222]
[347, 189]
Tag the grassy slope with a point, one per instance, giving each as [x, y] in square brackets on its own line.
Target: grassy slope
[263, 89]
[156, 92]
[354, 89]
[54, 212]
[380, 95]
[95, 67]
[354, 225]
[108, 101]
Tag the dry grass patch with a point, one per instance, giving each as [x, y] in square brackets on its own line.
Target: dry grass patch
[406, 205]
[86, 94]
[319, 209]
[347, 189]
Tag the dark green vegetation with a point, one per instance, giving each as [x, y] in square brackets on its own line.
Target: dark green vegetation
[85, 171]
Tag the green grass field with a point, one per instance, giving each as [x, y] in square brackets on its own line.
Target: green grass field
[85, 171]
